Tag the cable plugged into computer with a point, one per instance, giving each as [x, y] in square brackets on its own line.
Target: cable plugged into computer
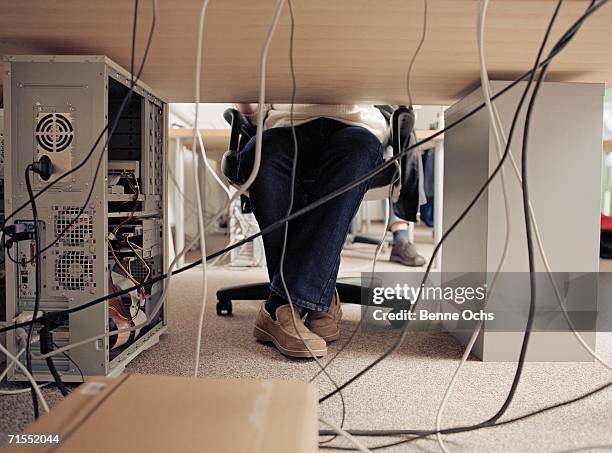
[43, 167]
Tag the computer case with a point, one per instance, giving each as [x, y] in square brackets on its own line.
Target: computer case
[57, 106]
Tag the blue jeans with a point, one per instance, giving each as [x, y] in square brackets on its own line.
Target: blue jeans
[330, 155]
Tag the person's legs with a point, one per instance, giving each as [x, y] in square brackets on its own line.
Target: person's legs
[403, 250]
[277, 322]
[269, 193]
[313, 250]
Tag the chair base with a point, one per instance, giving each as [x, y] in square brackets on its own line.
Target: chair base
[349, 293]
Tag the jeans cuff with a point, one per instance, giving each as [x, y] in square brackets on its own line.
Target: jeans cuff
[302, 303]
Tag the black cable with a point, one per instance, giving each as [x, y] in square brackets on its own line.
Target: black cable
[311, 206]
[425, 433]
[56, 377]
[126, 99]
[65, 354]
[28, 351]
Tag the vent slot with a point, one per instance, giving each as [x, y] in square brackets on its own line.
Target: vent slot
[54, 132]
[79, 232]
[74, 270]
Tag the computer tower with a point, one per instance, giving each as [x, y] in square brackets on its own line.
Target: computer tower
[57, 106]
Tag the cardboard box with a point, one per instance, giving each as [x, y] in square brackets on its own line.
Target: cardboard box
[161, 414]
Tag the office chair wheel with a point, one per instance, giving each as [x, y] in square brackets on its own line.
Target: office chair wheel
[224, 307]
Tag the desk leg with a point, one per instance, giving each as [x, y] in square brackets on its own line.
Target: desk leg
[564, 178]
[438, 199]
[179, 202]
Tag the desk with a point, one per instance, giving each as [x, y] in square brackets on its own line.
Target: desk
[216, 141]
[345, 50]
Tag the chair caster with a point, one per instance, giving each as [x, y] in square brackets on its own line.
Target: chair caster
[224, 308]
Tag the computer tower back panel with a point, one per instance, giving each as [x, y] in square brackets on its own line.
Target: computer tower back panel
[65, 107]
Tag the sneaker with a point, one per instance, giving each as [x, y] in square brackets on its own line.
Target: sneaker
[406, 253]
[281, 332]
[326, 324]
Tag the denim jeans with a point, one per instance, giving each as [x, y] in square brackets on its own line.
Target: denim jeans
[331, 154]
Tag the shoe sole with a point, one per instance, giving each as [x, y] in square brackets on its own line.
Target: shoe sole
[266, 337]
[405, 263]
[332, 337]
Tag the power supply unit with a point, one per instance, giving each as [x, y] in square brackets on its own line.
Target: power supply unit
[57, 106]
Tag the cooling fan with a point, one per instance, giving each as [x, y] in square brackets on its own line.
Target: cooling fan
[54, 134]
[73, 270]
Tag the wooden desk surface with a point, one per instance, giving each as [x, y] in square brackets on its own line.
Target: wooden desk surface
[216, 141]
[345, 50]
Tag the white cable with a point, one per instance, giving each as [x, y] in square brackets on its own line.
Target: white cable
[243, 188]
[260, 113]
[27, 374]
[202, 233]
[11, 365]
[358, 445]
[202, 229]
[207, 163]
[500, 146]
[20, 391]
[501, 141]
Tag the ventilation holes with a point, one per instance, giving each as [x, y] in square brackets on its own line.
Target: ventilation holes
[73, 270]
[54, 132]
[1, 148]
[77, 233]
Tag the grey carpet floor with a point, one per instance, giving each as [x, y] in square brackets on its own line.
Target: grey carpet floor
[402, 392]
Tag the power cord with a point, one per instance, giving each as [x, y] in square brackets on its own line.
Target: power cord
[260, 114]
[341, 432]
[416, 53]
[37, 284]
[260, 118]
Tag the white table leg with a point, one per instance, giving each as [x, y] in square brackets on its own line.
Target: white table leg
[438, 198]
[179, 202]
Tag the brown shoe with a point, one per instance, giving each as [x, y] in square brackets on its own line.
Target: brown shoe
[406, 253]
[283, 335]
[326, 324]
